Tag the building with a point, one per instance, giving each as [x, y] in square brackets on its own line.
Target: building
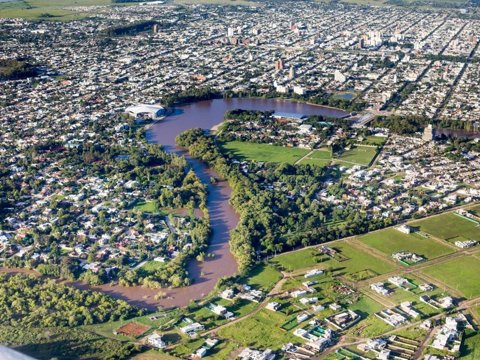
[279, 65]
[339, 77]
[145, 111]
[404, 229]
[156, 341]
[428, 133]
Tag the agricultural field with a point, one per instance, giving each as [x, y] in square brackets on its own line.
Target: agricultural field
[390, 241]
[45, 9]
[450, 227]
[460, 275]
[359, 155]
[248, 151]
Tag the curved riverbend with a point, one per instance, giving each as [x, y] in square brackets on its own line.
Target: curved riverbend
[223, 219]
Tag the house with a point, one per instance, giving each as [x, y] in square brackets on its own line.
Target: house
[404, 229]
[274, 306]
[156, 341]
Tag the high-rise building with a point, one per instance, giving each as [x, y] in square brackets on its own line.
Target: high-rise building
[339, 77]
[279, 65]
[155, 28]
[428, 133]
[291, 73]
[230, 32]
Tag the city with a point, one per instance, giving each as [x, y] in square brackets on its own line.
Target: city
[240, 180]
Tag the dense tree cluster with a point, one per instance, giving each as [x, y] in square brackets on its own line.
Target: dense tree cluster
[191, 95]
[282, 218]
[410, 124]
[13, 69]
[36, 302]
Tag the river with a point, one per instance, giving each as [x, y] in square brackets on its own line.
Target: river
[204, 114]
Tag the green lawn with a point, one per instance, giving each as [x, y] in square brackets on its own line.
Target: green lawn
[148, 206]
[376, 140]
[298, 259]
[248, 151]
[360, 155]
[460, 274]
[470, 349]
[357, 261]
[449, 226]
[321, 157]
[261, 330]
[151, 266]
[390, 241]
[263, 277]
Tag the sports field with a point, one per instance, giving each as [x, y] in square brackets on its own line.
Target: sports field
[248, 151]
[459, 274]
[449, 227]
[321, 157]
[391, 240]
[359, 155]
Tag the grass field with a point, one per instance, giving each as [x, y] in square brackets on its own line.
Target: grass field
[390, 241]
[263, 277]
[470, 349]
[376, 140]
[321, 157]
[151, 266]
[298, 259]
[57, 10]
[357, 262]
[261, 330]
[449, 227]
[248, 151]
[148, 206]
[359, 155]
[461, 275]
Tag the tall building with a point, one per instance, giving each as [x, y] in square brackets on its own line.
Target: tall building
[291, 73]
[279, 65]
[339, 77]
[155, 28]
[230, 32]
[428, 133]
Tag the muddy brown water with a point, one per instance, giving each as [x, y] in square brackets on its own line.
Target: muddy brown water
[204, 114]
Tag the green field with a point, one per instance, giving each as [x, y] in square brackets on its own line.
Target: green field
[261, 330]
[56, 10]
[449, 227]
[263, 277]
[149, 206]
[459, 274]
[358, 261]
[248, 151]
[321, 157]
[151, 266]
[358, 265]
[376, 140]
[470, 349]
[298, 259]
[359, 155]
[390, 241]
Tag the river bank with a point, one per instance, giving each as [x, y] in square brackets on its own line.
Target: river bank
[223, 218]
